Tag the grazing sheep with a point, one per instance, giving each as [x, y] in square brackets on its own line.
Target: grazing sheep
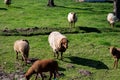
[116, 54]
[7, 2]
[58, 43]
[111, 18]
[22, 46]
[72, 18]
[40, 66]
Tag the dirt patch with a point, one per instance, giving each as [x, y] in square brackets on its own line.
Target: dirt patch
[35, 31]
[17, 75]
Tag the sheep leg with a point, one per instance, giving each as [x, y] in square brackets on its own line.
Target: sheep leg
[61, 55]
[36, 76]
[22, 59]
[116, 63]
[73, 24]
[54, 54]
[57, 54]
[50, 75]
[69, 24]
[112, 25]
[16, 55]
[54, 75]
[23, 56]
[42, 76]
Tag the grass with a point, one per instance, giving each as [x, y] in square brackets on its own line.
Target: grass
[89, 41]
[36, 13]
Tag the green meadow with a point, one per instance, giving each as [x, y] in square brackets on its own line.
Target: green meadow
[88, 41]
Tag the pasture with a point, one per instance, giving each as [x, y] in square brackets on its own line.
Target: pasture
[88, 41]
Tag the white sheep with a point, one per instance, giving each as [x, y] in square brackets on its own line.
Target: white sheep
[72, 19]
[58, 43]
[7, 2]
[22, 46]
[111, 18]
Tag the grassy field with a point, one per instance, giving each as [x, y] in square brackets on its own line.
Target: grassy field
[89, 41]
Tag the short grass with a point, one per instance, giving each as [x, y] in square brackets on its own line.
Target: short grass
[87, 51]
[22, 14]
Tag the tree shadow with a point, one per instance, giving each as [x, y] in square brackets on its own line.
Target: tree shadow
[89, 29]
[88, 62]
[3, 9]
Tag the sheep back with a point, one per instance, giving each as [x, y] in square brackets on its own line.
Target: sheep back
[22, 46]
[40, 66]
[54, 40]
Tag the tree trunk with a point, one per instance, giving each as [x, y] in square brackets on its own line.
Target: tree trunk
[117, 8]
[51, 3]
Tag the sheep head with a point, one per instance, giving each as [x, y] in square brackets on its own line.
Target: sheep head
[63, 44]
[26, 41]
[112, 50]
[115, 52]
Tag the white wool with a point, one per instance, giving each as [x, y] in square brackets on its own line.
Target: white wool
[71, 17]
[111, 18]
[54, 40]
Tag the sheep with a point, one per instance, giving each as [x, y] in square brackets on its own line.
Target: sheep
[7, 2]
[116, 54]
[72, 19]
[40, 66]
[22, 46]
[58, 42]
[111, 18]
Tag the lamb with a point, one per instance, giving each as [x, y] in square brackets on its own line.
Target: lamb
[72, 19]
[7, 2]
[111, 18]
[22, 46]
[58, 43]
[40, 66]
[116, 54]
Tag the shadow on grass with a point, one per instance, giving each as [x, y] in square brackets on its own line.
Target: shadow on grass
[88, 62]
[89, 29]
[61, 69]
[88, 8]
[17, 7]
[47, 30]
[118, 26]
[3, 9]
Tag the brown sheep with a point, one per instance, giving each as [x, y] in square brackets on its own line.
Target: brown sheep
[116, 54]
[22, 46]
[40, 66]
[58, 42]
